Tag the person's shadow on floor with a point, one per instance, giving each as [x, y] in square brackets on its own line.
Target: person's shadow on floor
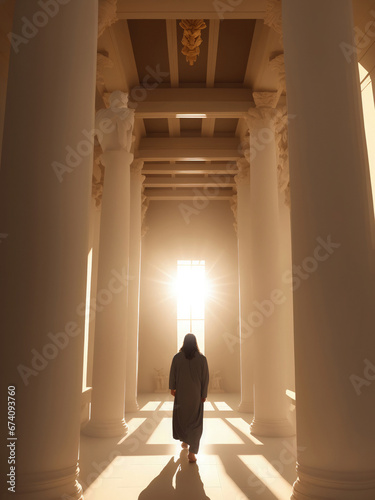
[188, 482]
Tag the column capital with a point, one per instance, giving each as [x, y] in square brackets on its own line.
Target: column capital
[266, 99]
[114, 126]
[264, 114]
[273, 16]
[107, 15]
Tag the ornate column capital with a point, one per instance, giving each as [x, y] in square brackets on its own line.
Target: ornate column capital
[273, 16]
[107, 15]
[265, 112]
[266, 99]
[114, 126]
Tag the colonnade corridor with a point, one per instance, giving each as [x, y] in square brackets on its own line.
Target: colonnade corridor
[148, 464]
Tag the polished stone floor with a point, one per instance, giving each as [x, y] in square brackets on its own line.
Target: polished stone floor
[148, 464]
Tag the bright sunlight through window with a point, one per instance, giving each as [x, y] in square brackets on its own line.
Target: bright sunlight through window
[191, 290]
[369, 119]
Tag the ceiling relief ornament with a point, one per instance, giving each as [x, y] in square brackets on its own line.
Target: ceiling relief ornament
[283, 153]
[273, 16]
[192, 39]
[107, 15]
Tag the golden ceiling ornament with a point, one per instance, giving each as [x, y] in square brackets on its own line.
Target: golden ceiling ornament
[192, 38]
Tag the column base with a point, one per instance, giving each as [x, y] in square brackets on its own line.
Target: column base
[106, 429]
[131, 406]
[246, 407]
[50, 485]
[313, 484]
[272, 428]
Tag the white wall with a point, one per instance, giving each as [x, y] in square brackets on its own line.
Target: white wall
[209, 236]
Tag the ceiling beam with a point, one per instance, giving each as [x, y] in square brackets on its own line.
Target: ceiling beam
[117, 43]
[190, 168]
[259, 76]
[194, 194]
[172, 51]
[213, 102]
[193, 9]
[174, 127]
[189, 149]
[208, 127]
[189, 182]
[213, 43]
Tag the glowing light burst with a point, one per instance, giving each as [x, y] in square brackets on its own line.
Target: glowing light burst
[191, 289]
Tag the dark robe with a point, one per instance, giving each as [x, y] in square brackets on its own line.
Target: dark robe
[189, 377]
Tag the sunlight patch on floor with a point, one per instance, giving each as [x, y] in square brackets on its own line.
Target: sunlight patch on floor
[267, 477]
[148, 464]
[133, 424]
[166, 406]
[244, 427]
[222, 406]
[208, 406]
[151, 406]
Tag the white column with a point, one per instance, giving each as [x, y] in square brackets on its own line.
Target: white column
[267, 316]
[136, 180]
[332, 228]
[45, 191]
[109, 367]
[245, 286]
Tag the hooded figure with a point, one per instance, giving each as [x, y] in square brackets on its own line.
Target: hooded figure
[188, 382]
